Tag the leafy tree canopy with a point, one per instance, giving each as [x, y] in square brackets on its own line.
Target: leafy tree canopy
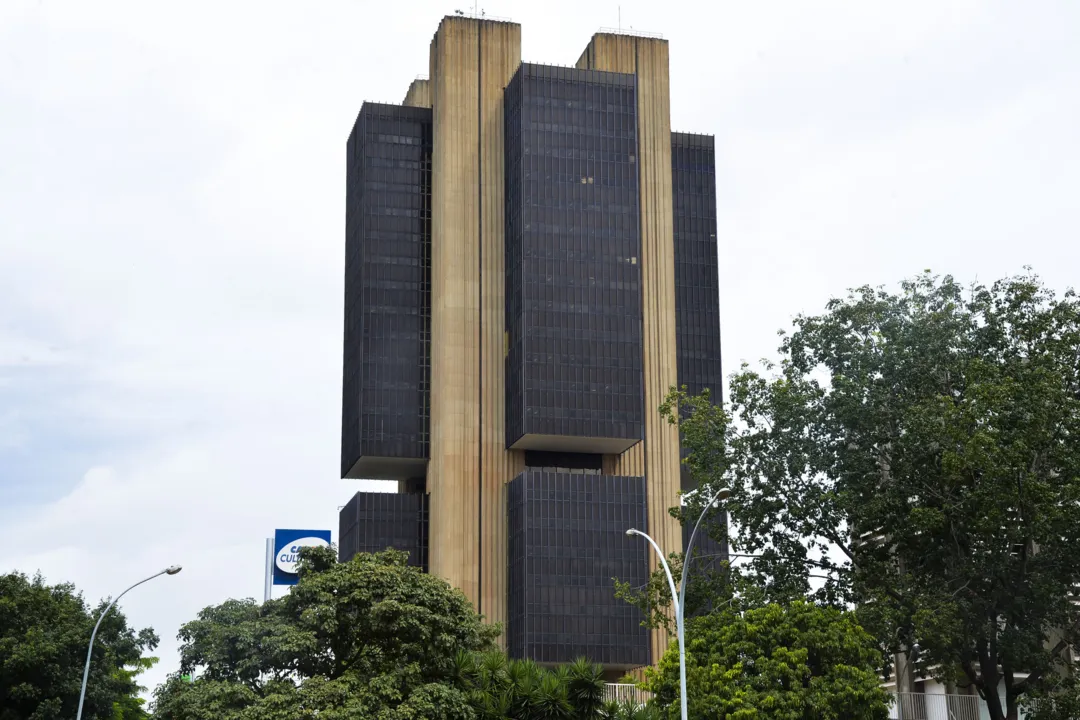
[918, 451]
[44, 634]
[520, 689]
[1056, 699]
[798, 662]
[371, 638]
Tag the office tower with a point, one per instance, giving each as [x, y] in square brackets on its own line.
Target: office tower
[530, 266]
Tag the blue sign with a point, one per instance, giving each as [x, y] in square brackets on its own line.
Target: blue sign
[287, 544]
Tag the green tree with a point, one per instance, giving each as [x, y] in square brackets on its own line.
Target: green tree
[44, 632]
[372, 637]
[520, 689]
[920, 452]
[800, 662]
[1056, 699]
[132, 707]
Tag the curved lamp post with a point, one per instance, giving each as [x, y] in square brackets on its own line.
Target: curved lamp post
[172, 570]
[680, 601]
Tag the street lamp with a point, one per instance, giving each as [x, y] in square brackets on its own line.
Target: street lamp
[171, 570]
[680, 602]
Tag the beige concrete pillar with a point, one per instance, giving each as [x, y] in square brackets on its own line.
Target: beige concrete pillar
[471, 62]
[419, 94]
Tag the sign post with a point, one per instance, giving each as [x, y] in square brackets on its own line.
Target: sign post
[268, 569]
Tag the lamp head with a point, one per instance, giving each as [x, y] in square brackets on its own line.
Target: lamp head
[723, 494]
[632, 531]
[173, 569]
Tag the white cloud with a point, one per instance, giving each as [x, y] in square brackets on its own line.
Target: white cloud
[16, 351]
[172, 202]
[12, 432]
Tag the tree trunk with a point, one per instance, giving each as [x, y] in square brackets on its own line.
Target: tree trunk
[988, 671]
[1010, 694]
[905, 683]
[993, 705]
[905, 673]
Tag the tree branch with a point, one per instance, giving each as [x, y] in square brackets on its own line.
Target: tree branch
[1026, 684]
[972, 675]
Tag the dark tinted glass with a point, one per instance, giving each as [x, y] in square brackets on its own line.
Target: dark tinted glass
[571, 461]
[567, 541]
[697, 296]
[697, 287]
[573, 273]
[387, 285]
[372, 522]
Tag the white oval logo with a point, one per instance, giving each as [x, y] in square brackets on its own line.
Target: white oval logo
[288, 556]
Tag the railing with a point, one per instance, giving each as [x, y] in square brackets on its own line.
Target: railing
[902, 706]
[629, 31]
[933, 706]
[626, 693]
[480, 14]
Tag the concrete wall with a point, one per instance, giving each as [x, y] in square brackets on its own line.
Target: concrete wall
[419, 94]
[471, 62]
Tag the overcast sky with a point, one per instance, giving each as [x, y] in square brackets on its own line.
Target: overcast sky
[172, 229]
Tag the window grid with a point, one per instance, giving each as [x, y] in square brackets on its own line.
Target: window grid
[567, 541]
[697, 286]
[697, 295]
[573, 276]
[373, 522]
[386, 378]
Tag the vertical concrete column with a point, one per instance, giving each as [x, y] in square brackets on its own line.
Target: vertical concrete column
[419, 94]
[658, 456]
[471, 62]
[453, 468]
[500, 57]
